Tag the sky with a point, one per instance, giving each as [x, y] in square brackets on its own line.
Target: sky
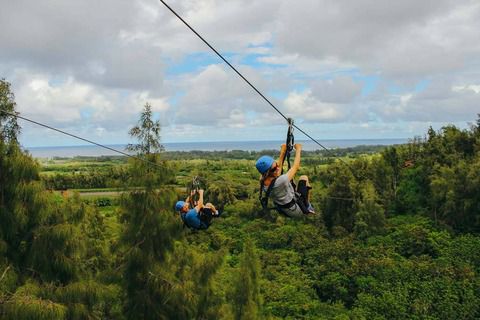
[364, 69]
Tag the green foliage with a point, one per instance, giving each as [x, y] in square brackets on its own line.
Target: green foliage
[63, 244]
[370, 218]
[149, 234]
[246, 298]
[9, 128]
[147, 132]
[43, 249]
[339, 205]
[221, 193]
[26, 307]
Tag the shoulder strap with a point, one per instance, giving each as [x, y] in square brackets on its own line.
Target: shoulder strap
[264, 200]
[270, 187]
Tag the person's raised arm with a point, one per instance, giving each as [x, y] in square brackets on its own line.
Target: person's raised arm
[192, 193]
[296, 163]
[200, 201]
[281, 157]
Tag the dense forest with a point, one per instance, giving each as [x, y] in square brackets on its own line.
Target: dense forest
[396, 235]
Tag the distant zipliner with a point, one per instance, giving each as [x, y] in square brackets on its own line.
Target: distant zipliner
[289, 199]
[194, 214]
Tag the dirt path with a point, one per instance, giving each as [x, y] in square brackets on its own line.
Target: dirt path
[101, 193]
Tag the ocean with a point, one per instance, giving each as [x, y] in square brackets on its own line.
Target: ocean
[95, 151]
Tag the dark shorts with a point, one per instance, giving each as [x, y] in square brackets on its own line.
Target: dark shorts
[302, 191]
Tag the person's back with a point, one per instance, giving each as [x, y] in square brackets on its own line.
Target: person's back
[283, 196]
[192, 219]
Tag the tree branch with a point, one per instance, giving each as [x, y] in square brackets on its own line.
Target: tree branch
[4, 273]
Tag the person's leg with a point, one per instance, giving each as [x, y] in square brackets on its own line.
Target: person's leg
[304, 190]
[212, 208]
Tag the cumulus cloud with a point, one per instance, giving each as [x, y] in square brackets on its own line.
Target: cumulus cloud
[405, 38]
[93, 65]
[216, 96]
[305, 106]
[70, 103]
[440, 101]
[82, 40]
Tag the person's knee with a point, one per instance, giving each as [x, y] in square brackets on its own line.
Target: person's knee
[304, 177]
[211, 207]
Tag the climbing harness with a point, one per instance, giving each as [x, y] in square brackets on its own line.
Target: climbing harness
[297, 200]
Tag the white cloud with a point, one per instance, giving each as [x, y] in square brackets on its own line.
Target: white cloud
[74, 103]
[305, 106]
[216, 96]
[401, 39]
[93, 65]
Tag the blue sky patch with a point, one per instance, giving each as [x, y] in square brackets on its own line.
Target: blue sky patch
[191, 63]
[422, 85]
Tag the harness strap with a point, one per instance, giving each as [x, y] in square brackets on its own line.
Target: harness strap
[286, 205]
[297, 199]
[194, 187]
[290, 141]
[264, 200]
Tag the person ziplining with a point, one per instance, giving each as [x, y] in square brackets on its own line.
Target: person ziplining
[194, 213]
[289, 199]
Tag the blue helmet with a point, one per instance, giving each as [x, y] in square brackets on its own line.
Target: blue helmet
[264, 163]
[179, 205]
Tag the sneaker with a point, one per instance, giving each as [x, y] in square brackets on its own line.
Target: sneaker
[311, 210]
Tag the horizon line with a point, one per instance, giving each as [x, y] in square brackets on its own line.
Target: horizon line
[222, 141]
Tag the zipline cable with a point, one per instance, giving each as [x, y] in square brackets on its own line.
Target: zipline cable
[251, 85]
[225, 60]
[78, 137]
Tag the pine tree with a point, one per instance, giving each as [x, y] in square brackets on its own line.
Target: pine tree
[340, 207]
[147, 132]
[150, 230]
[9, 128]
[370, 218]
[41, 245]
[247, 301]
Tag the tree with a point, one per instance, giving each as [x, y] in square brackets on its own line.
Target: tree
[390, 155]
[247, 300]
[42, 247]
[221, 194]
[147, 132]
[370, 218]
[9, 128]
[339, 204]
[150, 231]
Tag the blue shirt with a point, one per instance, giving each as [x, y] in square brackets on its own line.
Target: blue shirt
[192, 220]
